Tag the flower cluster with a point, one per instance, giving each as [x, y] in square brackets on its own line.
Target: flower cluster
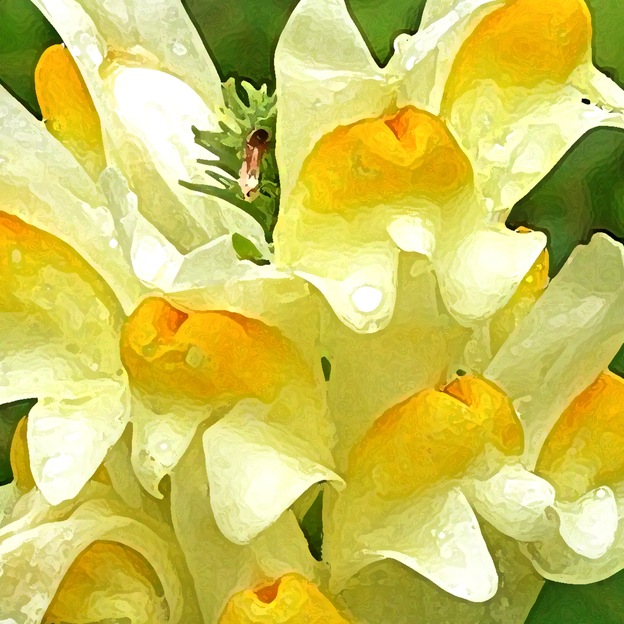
[238, 312]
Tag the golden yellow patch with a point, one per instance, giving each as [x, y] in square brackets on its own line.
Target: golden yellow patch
[26, 253]
[523, 44]
[585, 449]
[105, 581]
[20, 457]
[434, 435]
[68, 109]
[384, 160]
[205, 355]
[290, 600]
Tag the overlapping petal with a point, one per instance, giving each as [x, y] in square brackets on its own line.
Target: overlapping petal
[440, 71]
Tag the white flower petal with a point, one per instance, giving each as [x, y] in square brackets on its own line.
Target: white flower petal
[481, 271]
[42, 184]
[370, 373]
[515, 139]
[556, 560]
[359, 284]
[569, 337]
[34, 562]
[422, 62]
[388, 587]
[278, 550]
[588, 525]
[163, 28]
[69, 437]
[436, 535]
[256, 471]
[161, 437]
[514, 500]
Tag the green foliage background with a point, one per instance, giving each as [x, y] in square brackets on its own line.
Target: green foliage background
[583, 194]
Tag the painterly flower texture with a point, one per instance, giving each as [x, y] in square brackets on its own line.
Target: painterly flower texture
[233, 309]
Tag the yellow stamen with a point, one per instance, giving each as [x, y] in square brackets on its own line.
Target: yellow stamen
[523, 44]
[290, 600]
[68, 109]
[110, 570]
[205, 355]
[434, 435]
[382, 161]
[20, 458]
[585, 449]
[531, 288]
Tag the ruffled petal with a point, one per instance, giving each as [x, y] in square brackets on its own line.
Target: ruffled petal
[371, 373]
[389, 587]
[69, 437]
[277, 551]
[257, 470]
[35, 562]
[566, 341]
[479, 272]
[588, 525]
[514, 500]
[67, 205]
[161, 436]
[556, 557]
[436, 535]
[148, 133]
[60, 327]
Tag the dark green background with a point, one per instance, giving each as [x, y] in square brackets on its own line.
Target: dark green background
[583, 194]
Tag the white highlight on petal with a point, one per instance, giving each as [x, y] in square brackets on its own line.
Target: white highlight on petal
[367, 298]
[351, 284]
[514, 500]
[161, 110]
[256, 471]
[588, 525]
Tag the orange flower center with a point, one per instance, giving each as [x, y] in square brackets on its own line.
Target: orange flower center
[523, 44]
[585, 449]
[434, 435]
[68, 109]
[291, 599]
[383, 161]
[213, 355]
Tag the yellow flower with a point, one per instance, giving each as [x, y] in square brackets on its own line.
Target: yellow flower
[88, 331]
[107, 554]
[430, 153]
[421, 454]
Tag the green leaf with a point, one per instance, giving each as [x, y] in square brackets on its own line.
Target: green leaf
[10, 415]
[312, 526]
[598, 603]
[24, 35]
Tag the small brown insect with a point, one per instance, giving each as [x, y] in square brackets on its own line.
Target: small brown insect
[249, 176]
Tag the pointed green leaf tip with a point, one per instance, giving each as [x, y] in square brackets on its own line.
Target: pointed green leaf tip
[243, 160]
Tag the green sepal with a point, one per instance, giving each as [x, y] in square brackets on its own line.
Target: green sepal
[241, 117]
